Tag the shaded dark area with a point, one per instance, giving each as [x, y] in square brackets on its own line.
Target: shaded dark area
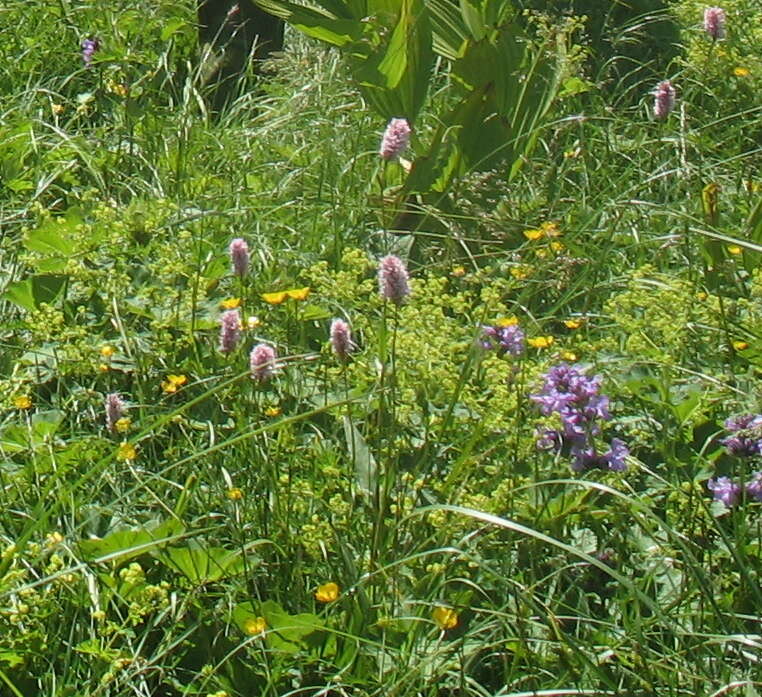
[631, 42]
[237, 32]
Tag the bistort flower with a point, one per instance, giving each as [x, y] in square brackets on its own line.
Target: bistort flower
[262, 362]
[239, 256]
[393, 282]
[714, 22]
[396, 139]
[664, 100]
[341, 339]
[230, 330]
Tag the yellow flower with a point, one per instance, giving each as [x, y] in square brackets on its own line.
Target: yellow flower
[103, 367]
[734, 249]
[327, 593]
[540, 341]
[126, 451]
[23, 401]
[458, 271]
[107, 351]
[740, 71]
[173, 382]
[230, 303]
[255, 625]
[445, 617]
[740, 345]
[533, 235]
[235, 494]
[572, 323]
[253, 322]
[123, 425]
[272, 411]
[568, 356]
[280, 296]
[556, 246]
[57, 109]
[550, 229]
[507, 321]
[521, 271]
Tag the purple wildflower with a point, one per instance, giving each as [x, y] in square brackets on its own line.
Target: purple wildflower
[746, 435]
[754, 487]
[89, 47]
[114, 410]
[714, 22]
[239, 256]
[510, 339]
[393, 279]
[664, 100]
[396, 139]
[726, 490]
[341, 339]
[230, 330]
[262, 362]
[549, 439]
[616, 456]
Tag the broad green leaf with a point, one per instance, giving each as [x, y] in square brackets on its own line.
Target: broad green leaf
[473, 19]
[201, 564]
[31, 292]
[130, 543]
[324, 26]
[362, 459]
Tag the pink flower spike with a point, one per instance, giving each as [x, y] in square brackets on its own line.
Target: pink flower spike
[714, 22]
[262, 362]
[341, 339]
[230, 330]
[664, 100]
[396, 139]
[239, 256]
[393, 279]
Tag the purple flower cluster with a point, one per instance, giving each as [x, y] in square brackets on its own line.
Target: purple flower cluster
[729, 492]
[89, 47]
[507, 339]
[745, 439]
[576, 398]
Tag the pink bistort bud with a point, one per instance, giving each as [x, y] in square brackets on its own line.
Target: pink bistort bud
[396, 139]
[239, 256]
[714, 22]
[230, 330]
[393, 279]
[262, 362]
[664, 99]
[341, 339]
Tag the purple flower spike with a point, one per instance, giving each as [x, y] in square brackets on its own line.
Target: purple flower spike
[393, 282]
[341, 339]
[262, 362]
[239, 256]
[714, 22]
[230, 330]
[89, 47]
[726, 490]
[664, 100]
[617, 455]
[509, 339]
[396, 139]
[754, 487]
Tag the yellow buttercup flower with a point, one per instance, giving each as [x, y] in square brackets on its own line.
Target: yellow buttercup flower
[122, 425]
[126, 452]
[255, 625]
[57, 109]
[541, 341]
[173, 383]
[521, 271]
[23, 401]
[740, 71]
[734, 249]
[533, 235]
[740, 345]
[280, 296]
[458, 271]
[507, 321]
[550, 229]
[573, 323]
[230, 303]
[327, 593]
[235, 494]
[273, 411]
[107, 351]
[568, 356]
[445, 617]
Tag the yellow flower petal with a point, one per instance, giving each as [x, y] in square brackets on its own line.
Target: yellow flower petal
[741, 71]
[327, 593]
[107, 351]
[572, 323]
[740, 345]
[272, 411]
[255, 625]
[734, 249]
[298, 293]
[235, 494]
[22, 402]
[533, 235]
[126, 451]
[540, 341]
[274, 298]
[445, 617]
[507, 321]
[231, 303]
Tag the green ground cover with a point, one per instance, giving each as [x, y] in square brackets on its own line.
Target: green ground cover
[533, 466]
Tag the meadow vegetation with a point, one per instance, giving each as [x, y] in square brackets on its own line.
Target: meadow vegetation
[286, 411]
